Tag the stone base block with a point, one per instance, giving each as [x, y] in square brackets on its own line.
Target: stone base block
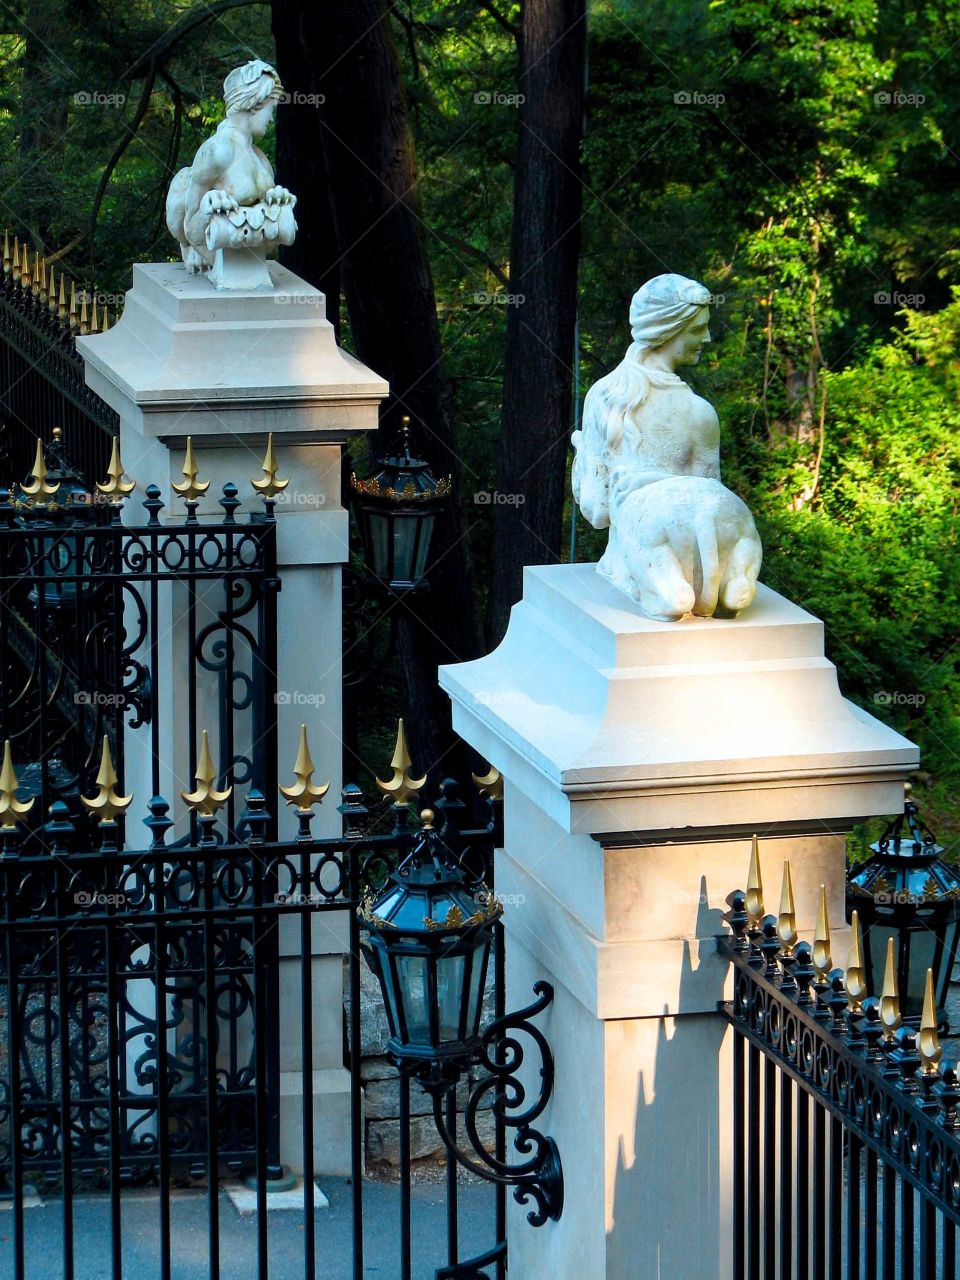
[331, 1121]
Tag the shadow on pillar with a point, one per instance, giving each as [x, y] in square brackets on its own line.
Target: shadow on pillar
[667, 1218]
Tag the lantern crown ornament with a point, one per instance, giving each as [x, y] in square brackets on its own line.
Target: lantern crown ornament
[907, 893]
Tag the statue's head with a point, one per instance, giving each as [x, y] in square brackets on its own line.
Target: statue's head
[671, 313]
[255, 89]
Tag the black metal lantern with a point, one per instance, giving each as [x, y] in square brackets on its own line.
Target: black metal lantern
[908, 893]
[396, 510]
[429, 945]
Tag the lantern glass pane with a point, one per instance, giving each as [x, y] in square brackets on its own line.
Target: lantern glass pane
[404, 543]
[923, 946]
[379, 533]
[384, 973]
[449, 996]
[412, 971]
[876, 939]
[423, 546]
[475, 994]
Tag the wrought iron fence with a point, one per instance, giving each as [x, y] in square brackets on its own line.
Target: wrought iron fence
[846, 1126]
[42, 381]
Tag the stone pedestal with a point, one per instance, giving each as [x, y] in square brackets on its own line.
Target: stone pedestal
[227, 368]
[639, 759]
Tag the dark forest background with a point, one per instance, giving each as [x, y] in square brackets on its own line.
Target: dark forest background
[482, 186]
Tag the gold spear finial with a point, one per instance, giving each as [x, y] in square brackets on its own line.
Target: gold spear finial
[787, 919]
[402, 786]
[190, 488]
[36, 283]
[24, 266]
[38, 486]
[856, 973]
[84, 318]
[491, 782]
[63, 310]
[73, 315]
[928, 1039]
[94, 322]
[106, 320]
[10, 807]
[115, 487]
[268, 486]
[822, 961]
[304, 793]
[7, 264]
[206, 800]
[15, 263]
[889, 998]
[754, 901]
[52, 292]
[107, 804]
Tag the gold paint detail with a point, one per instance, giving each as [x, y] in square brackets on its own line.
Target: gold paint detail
[205, 799]
[787, 917]
[856, 973]
[491, 782]
[269, 485]
[373, 489]
[190, 488]
[115, 486]
[754, 899]
[11, 809]
[304, 793]
[928, 1039]
[822, 961]
[107, 804]
[38, 487]
[889, 998]
[402, 786]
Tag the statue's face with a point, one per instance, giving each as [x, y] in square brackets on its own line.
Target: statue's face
[261, 119]
[693, 338]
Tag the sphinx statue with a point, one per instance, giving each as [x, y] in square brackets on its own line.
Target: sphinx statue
[647, 466]
[226, 210]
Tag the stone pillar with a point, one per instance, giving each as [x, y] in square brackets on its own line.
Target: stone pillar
[227, 368]
[639, 758]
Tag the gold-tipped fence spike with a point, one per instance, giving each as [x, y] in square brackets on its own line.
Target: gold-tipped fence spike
[11, 809]
[928, 1038]
[754, 902]
[787, 917]
[115, 486]
[822, 961]
[74, 314]
[24, 266]
[491, 782]
[205, 799]
[269, 485]
[52, 291]
[106, 320]
[107, 804]
[856, 973]
[402, 786]
[84, 318]
[304, 793]
[15, 263]
[7, 263]
[889, 997]
[63, 310]
[94, 322]
[190, 488]
[38, 486]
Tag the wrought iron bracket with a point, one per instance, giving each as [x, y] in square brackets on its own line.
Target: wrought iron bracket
[538, 1177]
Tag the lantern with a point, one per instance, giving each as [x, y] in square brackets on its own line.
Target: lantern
[907, 892]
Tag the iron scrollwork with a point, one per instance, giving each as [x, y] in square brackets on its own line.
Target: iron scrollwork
[538, 1177]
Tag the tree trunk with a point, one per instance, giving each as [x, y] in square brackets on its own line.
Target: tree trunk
[389, 294]
[315, 254]
[538, 375]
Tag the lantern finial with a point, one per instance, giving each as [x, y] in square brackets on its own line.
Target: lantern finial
[928, 1041]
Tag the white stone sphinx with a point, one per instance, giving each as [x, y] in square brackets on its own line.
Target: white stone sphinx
[226, 210]
[647, 466]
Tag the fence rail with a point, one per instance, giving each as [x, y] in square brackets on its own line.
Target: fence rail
[846, 1129]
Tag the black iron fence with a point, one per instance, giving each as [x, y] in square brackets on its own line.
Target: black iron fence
[846, 1128]
[41, 373]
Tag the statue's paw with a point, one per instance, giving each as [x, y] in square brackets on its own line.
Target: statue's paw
[218, 202]
[280, 195]
[737, 594]
[193, 262]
